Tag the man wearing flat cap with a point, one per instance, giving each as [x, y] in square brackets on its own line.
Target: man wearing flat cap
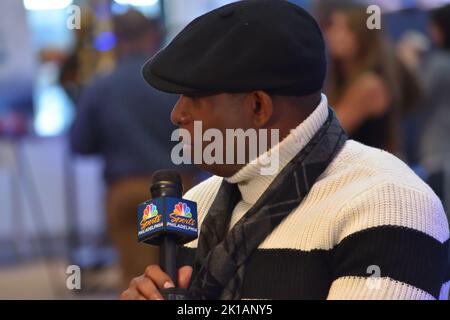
[336, 220]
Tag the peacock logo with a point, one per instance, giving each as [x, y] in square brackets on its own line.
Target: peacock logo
[150, 211]
[181, 209]
[150, 216]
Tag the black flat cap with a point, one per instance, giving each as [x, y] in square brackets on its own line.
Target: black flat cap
[269, 45]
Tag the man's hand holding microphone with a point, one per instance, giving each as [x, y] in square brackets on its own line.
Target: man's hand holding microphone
[166, 220]
[148, 285]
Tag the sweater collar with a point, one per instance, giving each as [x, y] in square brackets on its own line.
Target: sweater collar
[249, 179]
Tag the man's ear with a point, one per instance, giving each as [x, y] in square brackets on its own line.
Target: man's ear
[262, 108]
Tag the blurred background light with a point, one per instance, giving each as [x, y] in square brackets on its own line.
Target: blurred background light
[137, 3]
[54, 112]
[105, 41]
[48, 29]
[46, 4]
[150, 8]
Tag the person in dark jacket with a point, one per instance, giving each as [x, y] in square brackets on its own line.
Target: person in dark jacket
[128, 124]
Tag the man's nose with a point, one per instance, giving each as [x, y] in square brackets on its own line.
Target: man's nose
[180, 115]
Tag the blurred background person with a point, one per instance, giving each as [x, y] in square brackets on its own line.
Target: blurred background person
[85, 60]
[370, 89]
[127, 123]
[411, 49]
[435, 144]
[435, 148]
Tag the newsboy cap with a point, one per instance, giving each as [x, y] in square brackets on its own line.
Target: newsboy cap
[269, 45]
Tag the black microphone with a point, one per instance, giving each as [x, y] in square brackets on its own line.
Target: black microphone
[168, 220]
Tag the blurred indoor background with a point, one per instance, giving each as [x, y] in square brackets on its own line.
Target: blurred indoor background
[52, 192]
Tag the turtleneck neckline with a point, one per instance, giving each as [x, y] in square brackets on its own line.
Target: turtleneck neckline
[250, 180]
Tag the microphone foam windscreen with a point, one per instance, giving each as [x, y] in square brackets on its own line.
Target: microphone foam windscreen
[166, 175]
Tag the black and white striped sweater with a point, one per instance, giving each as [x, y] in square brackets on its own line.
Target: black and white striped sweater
[368, 229]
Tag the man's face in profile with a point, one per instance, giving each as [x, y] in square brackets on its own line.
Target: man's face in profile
[220, 111]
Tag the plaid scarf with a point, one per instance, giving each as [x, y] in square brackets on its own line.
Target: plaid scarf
[219, 265]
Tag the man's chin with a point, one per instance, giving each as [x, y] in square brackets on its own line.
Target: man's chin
[221, 170]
